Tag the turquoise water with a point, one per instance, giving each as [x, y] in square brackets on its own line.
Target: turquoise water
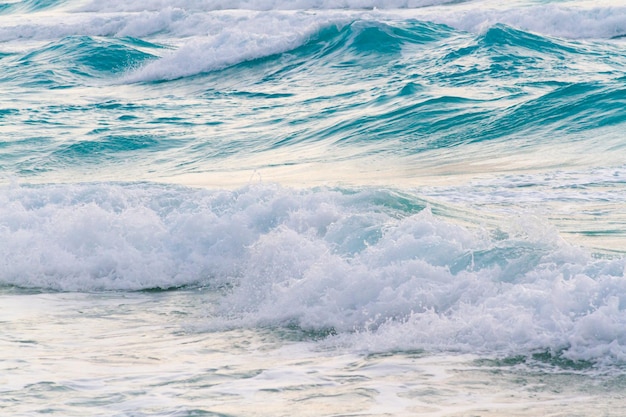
[370, 193]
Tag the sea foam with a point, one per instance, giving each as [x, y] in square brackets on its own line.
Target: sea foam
[371, 262]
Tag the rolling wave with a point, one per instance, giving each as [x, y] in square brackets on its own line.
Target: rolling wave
[379, 89]
[376, 263]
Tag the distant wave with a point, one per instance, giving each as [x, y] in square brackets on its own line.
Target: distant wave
[189, 18]
[261, 5]
[554, 20]
[537, 91]
[501, 53]
[328, 40]
[339, 39]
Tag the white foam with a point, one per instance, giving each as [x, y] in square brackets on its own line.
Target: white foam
[240, 38]
[323, 259]
[406, 291]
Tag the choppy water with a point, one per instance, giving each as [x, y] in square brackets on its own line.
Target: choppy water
[313, 207]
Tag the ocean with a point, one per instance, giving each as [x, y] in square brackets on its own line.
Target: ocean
[312, 208]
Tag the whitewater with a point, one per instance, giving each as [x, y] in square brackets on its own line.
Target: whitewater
[312, 207]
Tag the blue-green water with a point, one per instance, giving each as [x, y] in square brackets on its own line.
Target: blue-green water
[370, 192]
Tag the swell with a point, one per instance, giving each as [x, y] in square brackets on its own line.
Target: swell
[499, 86]
[76, 60]
[367, 89]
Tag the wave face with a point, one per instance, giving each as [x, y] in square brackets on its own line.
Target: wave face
[410, 174]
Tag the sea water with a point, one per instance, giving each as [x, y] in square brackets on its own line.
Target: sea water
[322, 208]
